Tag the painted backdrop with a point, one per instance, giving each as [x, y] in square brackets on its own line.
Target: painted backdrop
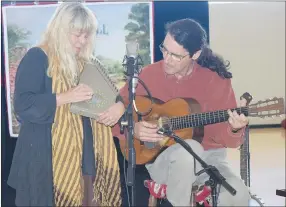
[118, 23]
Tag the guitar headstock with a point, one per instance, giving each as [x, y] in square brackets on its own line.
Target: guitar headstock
[247, 97]
[268, 108]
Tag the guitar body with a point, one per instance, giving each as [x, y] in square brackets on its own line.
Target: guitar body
[172, 108]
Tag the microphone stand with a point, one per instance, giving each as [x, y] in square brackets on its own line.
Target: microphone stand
[132, 69]
[215, 180]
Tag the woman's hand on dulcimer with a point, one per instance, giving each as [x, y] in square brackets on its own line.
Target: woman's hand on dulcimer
[111, 116]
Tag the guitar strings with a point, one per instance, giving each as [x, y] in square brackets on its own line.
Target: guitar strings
[203, 118]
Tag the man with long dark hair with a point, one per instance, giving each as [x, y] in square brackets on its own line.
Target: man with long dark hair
[190, 69]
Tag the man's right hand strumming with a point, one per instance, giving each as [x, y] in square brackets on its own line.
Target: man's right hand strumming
[79, 93]
[146, 131]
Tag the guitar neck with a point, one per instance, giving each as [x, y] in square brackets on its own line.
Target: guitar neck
[201, 119]
[245, 159]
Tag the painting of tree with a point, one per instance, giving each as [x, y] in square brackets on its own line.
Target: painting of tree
[139, 30]
[133, 22]
[17, 48]
[16, 38]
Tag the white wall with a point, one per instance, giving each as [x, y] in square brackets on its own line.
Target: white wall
[252, 37]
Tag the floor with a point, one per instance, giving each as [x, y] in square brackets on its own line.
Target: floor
[267, 170]
[267, 148]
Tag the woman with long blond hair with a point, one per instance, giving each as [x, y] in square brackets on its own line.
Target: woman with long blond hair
[62, 159]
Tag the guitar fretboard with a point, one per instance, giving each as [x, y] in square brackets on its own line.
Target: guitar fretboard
[201, 119]
[195, 120]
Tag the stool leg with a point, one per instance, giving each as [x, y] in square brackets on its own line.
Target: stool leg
[193, 200]
[152, 201]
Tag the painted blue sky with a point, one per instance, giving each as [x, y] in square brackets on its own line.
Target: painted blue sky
[114, 16]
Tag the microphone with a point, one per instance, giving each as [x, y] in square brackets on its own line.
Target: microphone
[133, 64]
[132, 49]
[132, 55]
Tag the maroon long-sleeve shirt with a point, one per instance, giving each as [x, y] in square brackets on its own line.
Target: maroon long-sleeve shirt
[205, 86]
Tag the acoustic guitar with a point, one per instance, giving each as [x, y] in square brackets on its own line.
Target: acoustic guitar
[185, 119]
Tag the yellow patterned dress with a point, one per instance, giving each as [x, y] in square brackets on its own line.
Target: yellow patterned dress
[67, 152]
